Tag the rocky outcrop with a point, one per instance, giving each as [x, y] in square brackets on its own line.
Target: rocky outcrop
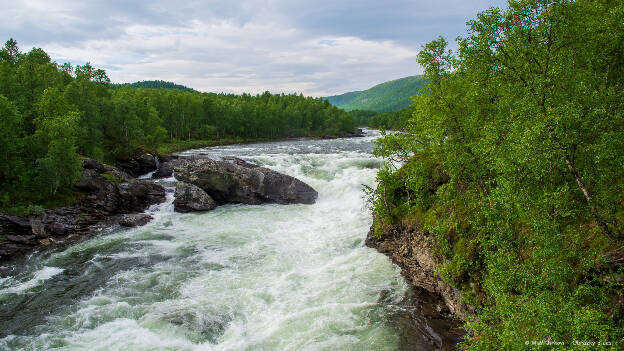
[138, 165]
[413, 250]
[191, 198]
[135, 220]
[233, 180]
[106, 192]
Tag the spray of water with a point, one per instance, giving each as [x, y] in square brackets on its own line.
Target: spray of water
[269, 277]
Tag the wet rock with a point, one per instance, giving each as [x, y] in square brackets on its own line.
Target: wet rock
[46, 242]
[435, 307]
[167, 158]
[413, 250]
[135, 220]
[105, 192]
[14, 225]
[91, 180]
[57, 228]
[138, 165]
[165, 170]
[191, 198]
[92, 164]
[37, 228]
[21, 239]
[233, 180]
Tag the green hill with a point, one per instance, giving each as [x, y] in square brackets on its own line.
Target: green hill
[153, 84]
[389, 96]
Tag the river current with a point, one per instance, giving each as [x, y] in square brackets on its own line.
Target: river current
[267, 277]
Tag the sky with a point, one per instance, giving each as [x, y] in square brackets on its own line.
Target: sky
[318, 48]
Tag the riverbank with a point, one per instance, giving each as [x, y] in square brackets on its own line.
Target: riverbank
[106, 196]
[238, 277]
[438, 308]
[183, 145]
[103, 197]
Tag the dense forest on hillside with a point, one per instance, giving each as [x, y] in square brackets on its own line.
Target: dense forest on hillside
[389, 96]
[343, 99]
[392, 120]
[513, 160]
[51, 115]
[152, 84]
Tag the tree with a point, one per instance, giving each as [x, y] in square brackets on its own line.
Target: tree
[10, 52]
[57, 128]
[514, 161]
[11, 140]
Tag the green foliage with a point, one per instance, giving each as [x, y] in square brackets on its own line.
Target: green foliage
[11, 140]
[513, 159]
[389, 96]
[153, 84]
[393, 120]
[112, 178]
[35, 210]
[61, 167]
[362, 117]
[50, 114]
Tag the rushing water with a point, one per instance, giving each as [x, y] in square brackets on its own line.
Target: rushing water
[268, 277]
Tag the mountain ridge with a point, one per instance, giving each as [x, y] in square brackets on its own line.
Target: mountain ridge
[388, 96]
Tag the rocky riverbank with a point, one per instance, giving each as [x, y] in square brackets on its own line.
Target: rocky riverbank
[111, 196]
[437, 306]
[106, 196]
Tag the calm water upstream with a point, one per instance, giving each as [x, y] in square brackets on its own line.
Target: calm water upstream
[269, 277]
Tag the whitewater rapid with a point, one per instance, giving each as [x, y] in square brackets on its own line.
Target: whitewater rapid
[268, 277]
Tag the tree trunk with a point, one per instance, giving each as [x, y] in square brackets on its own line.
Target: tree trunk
[588, 197]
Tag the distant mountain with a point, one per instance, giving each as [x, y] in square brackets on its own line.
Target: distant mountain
[153, 84]
[389, 96]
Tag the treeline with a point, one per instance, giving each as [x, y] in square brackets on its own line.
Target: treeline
[513, 160]
[153, 84]
[393, 120]
[362, 117]
[51, 115]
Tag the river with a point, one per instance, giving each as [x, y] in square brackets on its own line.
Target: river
[268, 277]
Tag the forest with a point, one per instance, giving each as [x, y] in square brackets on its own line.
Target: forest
[513, 160]
[391, 120]
[385, 97]
[153, 84]
[52, 115]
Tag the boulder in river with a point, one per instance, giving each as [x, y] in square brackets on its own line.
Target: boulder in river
[135, 220]
[138, 165]
[233, 180]
[164, 170]
[191, 198]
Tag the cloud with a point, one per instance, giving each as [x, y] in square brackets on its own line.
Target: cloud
[318, 49]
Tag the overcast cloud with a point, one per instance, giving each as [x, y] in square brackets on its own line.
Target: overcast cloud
[316, 48]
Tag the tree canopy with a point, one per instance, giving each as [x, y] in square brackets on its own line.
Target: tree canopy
[513, 159]
[52, 115]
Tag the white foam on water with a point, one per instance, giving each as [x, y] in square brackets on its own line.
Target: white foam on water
[269, 277]
[12, 286]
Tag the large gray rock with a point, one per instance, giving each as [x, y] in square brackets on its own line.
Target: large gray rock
[233, 180]
[165, 170]
[191, 198]
[138, 165]
[135, 220]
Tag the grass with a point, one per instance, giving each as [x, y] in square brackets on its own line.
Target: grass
[112, 178]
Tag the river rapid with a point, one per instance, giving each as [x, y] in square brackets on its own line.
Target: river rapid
[267, 277]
